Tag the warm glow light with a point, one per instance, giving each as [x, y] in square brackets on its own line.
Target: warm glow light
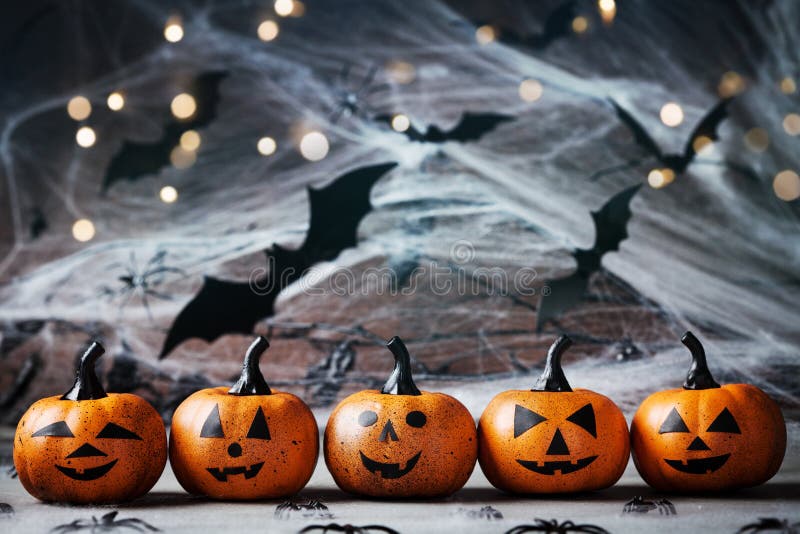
[485, 34]
[266, 146]
[173, 30]
[79, 107]
[83, 230]
[183, 106]
[298, 9]
[788, 86]
[701, 143]
[168, 194]
[401, 72]
[756, 139]
[730, 84]
[787, 185]
[671, 114]
[115, 101]
[182, 159]
[580, 24]
[268, 30]
[669, 175]
[791, 124]
[608, 10]
[284, 8]
[656, 179]
[400, 123]
[190, 140]
[530, 90]
[314, 146]
[85, 137]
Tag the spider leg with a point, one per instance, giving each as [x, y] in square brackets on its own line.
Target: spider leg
[344, 74]
[616, 168]
[377, 88]
[159, 270]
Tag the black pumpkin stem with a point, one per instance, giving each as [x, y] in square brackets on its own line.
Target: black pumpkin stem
[553, 378]
[699, 376]
[400, 382]
[87, 386]
[252, 382]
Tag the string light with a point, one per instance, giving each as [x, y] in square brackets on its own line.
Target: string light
[788, 86]
[268, 30]
[115, 101]
[485, 34]
[190, 140]
[314, 146]
[787, 185]
[656, 179]
[702, 143]
[671, 114]
[530, 90]
[580, 24]
[183, 106]
[400, 123]
[298, 9]
[83, 230]
[182, 159]
[173, 30]
[730, 84]
[85, 136]
[401, 72]
[756, 139]
[266, 146]
[79, 108]
[791, 124]
[168, 194]
[608, 10]
[284, 8]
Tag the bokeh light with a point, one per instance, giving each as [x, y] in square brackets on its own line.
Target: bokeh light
[115, 101]
[79, 108]
[173, 30]
[787, 185]
[788, 86]
[314, 146]
[671, 114]
[400, 123]
[702, 143]
[85, 136]
[756, 139]
[485, 34]
[791, 124]
[580, 24]
[83, 230]
[182, 159]
[530, 90]
[284, 8]
[730, 84]
[268, 30]
[401, 72]
[190, 140]
[168, 194]
[658, 178]
[608, 10]
[266, 146]
[183, 106]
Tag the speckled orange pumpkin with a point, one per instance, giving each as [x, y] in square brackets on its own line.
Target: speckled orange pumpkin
[245, 442]
[88, 446]
[552, 439]
[400, 441]
[707, 437]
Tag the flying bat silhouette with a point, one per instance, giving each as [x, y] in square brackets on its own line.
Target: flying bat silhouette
[134, 160]
[558, 24]
[678, 162]
[229, 307]
[610, 224]
[471, 127]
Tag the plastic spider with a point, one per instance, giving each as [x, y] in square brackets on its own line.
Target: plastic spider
[353, 100]
[771, 524]
[349, 529]
[106, 523]
[309, 509]
[638, 505]
[141, 281]
[6, 509]
[486, 512]
[554, 527]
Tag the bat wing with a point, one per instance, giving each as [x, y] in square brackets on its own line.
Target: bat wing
[707, 127]
[471, 127]
[640, 135]
[412, 133]
[565, 294]
[205, 90]
[135, 159]
[611, 222]
[557, 25]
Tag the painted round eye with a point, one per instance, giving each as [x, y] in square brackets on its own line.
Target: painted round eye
[367, 418]
[416, 419]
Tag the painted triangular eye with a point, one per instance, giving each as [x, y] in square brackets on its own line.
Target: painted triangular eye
[725, 423]
[55, 430]
[259, 428]
[212, 428]
[114, 431]
[584, 418]
[673, 423]
[525, 419]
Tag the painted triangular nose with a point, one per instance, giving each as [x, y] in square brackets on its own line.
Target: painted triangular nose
[698, 445]
[86, 450]
[388, 431]
[558, 445]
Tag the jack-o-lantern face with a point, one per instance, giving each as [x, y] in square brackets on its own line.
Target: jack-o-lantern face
[244, 442]
[88, 446]
[552, 439]
[707, 437]
[399, 441]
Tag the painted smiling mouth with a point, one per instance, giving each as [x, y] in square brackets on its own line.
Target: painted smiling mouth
[699, 466]
[87, 474]
[221, 473]
[389, 470]
[549, 468]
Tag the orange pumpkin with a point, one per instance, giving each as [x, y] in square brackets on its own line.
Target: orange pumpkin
[88, 446]
[400, 441]
[245, 442]
[551, 439]
[707, 437]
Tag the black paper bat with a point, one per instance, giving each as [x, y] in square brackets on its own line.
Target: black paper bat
[678, 162]
[349, 529]
[471, 127]
[225, 307]
[771, 524]
[610, 224]
[134, 160]
[554, 527]
[558, 24]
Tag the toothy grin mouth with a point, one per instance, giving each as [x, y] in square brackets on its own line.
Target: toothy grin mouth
[549, 468]
[389, 470]
[699, 466]
[92, 473]
[221, 473]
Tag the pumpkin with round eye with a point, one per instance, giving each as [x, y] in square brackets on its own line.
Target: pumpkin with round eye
[551, 439]
[707, 437]
[245, 442]
[89, 446]
[400, 441]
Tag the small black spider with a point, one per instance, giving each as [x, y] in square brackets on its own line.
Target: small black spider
[6, 509]
[311, 509]
[12, 471]
[352, 100]
[554, 527]
[486, 512]
[106, 523]
[348, 529]
[141, 281]
[771, 524]
[638, 505]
